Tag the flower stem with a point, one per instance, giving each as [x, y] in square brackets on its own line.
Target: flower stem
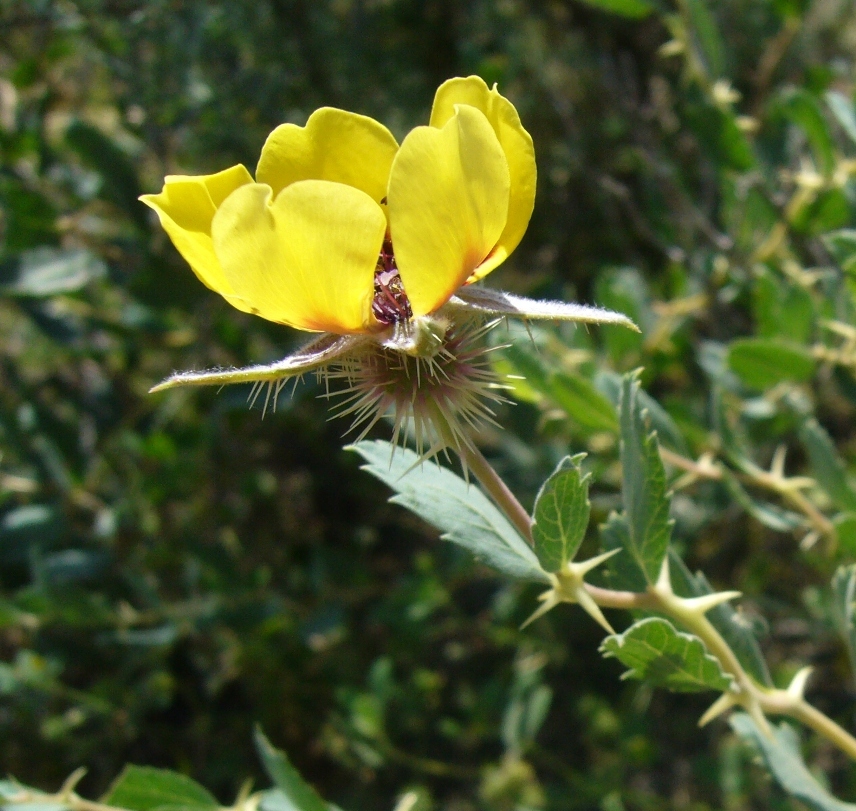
[497, 489]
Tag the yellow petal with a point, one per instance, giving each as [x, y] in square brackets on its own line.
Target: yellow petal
[186, 207]
[305, 258]
[334, 145]
[516, 144]
[448, 201]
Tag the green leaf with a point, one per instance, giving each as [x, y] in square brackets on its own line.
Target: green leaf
[844, 610]
[459, 510]
[720, 136]
[144, 788]
[781, 754]
[297, 793]
[561, 515]
[802, 108]
[842, 245]
[706, 34]
[770, 515]
[646, 504]
[842, 109]
[761, 363]
[49, 271]
[635, 9]
[622, 571]
[782, 308]
[845, 530]
[667, 430]
[574, 394]
[626, 291]
[656, 652]
[826, 465]
[829, 210]
[734, 626]
[582, 402]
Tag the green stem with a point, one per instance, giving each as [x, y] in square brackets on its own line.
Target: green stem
[755, 699]
[822, 724]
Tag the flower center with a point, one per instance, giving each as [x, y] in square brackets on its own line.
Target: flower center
[390, 304]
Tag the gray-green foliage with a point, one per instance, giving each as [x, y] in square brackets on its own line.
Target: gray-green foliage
[173, 568]
[781, 754]
[457, 508]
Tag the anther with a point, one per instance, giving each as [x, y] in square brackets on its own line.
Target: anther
[390, 304]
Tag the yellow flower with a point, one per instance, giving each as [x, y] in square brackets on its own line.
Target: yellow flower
[375, 245]
[345, 231]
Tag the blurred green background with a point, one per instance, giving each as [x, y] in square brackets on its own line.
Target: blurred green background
[177, 568]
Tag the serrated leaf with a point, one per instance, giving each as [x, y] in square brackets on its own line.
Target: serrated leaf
[826, 465]
[761, 363]
[646, 504]
[49, 271]
[297, 794]
[781, 754]
[459, 510]
[668, 433]
[656, 652]
[561, 515]
[144, 788]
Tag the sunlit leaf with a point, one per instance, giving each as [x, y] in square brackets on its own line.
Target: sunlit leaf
[144, 788]
[657, 653]
[561, 515]
[635, 9]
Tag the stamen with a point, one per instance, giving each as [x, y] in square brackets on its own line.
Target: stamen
[390, 304]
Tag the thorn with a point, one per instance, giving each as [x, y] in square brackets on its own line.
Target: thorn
[809, 540]
[585, 601]
[664, 580]
[585, 566]
[796, 689]
[754, 710]
[244, 792]
[71, 782]
[550, 600]
[777, 465]
[722, 705]
[701, 605]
